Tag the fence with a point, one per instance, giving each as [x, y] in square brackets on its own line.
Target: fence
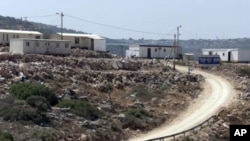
[207, 122]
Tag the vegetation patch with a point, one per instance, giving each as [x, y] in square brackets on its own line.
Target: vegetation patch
[46, 135]
[141, 91]
[25, 90]
[25, 115]
[81, 108]
[243, 71]
[136, 119]
[5, 136]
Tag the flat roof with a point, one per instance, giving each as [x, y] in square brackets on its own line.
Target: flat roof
[92, 36]
[167, 46]
[20, 31]
[29, 39]
[219, 49]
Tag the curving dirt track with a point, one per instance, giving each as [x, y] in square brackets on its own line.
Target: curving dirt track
[217, 93]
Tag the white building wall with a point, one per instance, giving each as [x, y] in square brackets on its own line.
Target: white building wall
[28, 46]
[16, 46]
[100, 44]
[156, 52]
[244, 55]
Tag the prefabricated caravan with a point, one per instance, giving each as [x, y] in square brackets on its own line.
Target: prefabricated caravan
[7, 35]
[86, 41]
[230, 54]
[40, 46]
[156, 51]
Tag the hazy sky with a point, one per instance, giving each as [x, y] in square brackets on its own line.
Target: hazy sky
[201, 19]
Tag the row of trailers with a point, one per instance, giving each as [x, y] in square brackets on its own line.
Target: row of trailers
[85, 41]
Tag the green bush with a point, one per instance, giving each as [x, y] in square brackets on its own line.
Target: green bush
[5, 136]
[135, 119]
[46, 135]
[133, 123]
[23, 115]
[138, 113]
[25, 90]
[39, 102]
[243, 71]
[141, 91]
[82, 108]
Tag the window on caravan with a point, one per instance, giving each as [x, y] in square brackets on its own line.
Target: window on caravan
[57, 45]
[37, 37]
[14, 36]
[164, 50]
[46, 44]
[77, 40]
[3, 37]
[27, 44]
[66, 45]
[17, 36]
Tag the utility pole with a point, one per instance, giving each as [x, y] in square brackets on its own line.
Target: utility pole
[177, 41]
[61, 14]
[174, 45]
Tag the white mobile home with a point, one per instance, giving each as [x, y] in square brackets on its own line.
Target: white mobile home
[6, 35]
[156, 51]
[40, 46]
[230, 55]
[87, 41]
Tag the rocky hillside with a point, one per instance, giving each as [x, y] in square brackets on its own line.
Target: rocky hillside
[87, 97]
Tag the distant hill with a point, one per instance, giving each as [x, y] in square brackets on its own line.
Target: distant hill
[18, 24]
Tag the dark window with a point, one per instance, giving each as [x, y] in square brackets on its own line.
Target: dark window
[27, 44]
[77, 40]
[46, 44]
[164, 50]
[210, 53]
[223, 54]
[7, 37]
[37, 37]
[155, 50]
[57, 44]
[66, 45]
[3, 37]
[17, 36]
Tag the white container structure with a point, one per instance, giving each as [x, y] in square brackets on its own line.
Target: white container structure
[7, 35]
[156, 51]
[230, 54]
[87, 41]
[40, 46]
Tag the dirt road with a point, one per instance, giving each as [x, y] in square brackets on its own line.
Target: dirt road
[217, 93]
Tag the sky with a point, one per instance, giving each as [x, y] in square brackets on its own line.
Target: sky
[199, 19]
